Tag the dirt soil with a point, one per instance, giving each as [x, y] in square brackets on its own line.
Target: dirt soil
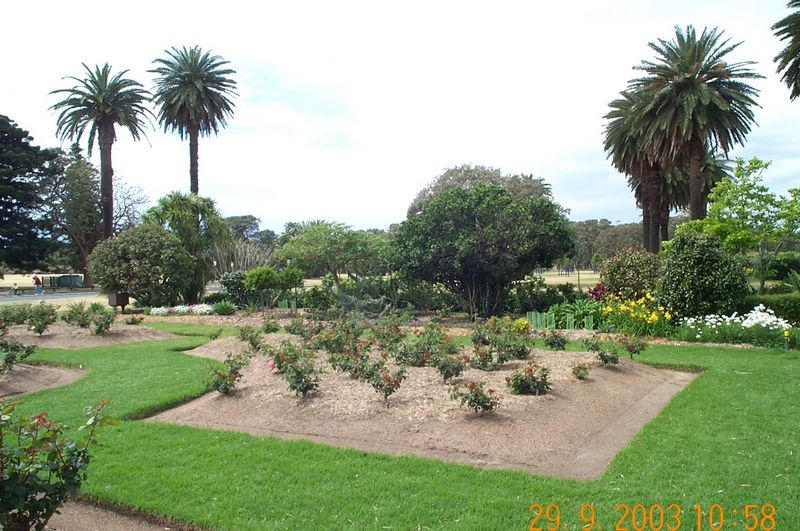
[573, 431]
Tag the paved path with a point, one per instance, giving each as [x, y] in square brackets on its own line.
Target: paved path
[47, 296]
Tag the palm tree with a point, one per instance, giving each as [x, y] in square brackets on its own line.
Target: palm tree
[789, 58]
[99, 102]
[696, 100]
[624, 146]
[193, 96]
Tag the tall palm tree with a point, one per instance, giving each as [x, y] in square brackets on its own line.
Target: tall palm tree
[193, 96]
[623, 144]
[697, 101]
[98, 102]
[789, 58]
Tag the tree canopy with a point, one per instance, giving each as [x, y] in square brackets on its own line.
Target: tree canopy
[477, 242]
[193, 96]
[22, 165]
[467, 176]
[788, 29]
[198, 225]
[98, 102]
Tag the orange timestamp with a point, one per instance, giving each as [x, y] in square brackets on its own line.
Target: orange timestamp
[656, 517]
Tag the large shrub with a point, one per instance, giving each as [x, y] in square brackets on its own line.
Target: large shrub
[147, 261]
[700, 277]
[631, 273]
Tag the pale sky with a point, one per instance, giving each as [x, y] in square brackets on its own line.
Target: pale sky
[347, 109]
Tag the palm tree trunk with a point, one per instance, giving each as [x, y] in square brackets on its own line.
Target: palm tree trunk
[664, 220]
[697, 208]
[106, 141]
[645, 201]
[654, 197]
[194, 133]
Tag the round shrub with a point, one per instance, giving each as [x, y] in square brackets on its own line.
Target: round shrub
[700, 277]
[631, 274]
[148, 262]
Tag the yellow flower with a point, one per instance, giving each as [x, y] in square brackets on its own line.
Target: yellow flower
[650, 296]
[660, 308]
[667, 316]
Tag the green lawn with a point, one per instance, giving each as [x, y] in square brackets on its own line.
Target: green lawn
[732, 438]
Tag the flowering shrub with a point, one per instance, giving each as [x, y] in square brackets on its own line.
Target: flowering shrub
[41, 317]
[41, 468]
[499, 339]
[580, 370]
[631, 344]
[630, 273]
[554, 340]
[193, 309]
[424, 347]
[283, 356]
[530, 380]
[383, 381]
[640, 317]
[269, 326]
[12, 352]
[451, 367]
[758, 327]
[301, 374]
[250, 335]
[606, 353]
[225, 380]
[474, 397]
[353, 359]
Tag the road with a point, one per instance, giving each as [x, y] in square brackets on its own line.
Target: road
[30, 297]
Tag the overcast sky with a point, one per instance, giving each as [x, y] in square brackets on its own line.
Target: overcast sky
[347, 109]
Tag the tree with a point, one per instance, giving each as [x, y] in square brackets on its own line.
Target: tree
[789, 58]
[477, 242]
[694, 100]
[22, 165]
[467, 176]
[749, 219]
[72, 209]
[698, 277]
[148, 262]
[336, 249]
[99, 102]
[243, 227]
[193, 97]
[198, 225]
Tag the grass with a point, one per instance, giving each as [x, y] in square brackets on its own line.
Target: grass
[731, 437]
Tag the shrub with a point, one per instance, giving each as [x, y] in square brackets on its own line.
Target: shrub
[215, 334]
[700, 277]
[606, 353]
[233, 286]
[146, 261]
[213, 298]
[42, 316]
[554, 340]
[424, 347]
[530, 380]
[14, 314]
[451, 367]
[283, 356]
[383, 381]
[631, 273]
[102, 321]
[250, 335]
[631, 344]
[301, 374]
[269, 326]
[353, 359]
[225, 380]
[36, 483]
[317, 298]
[499, 339]
[580, 370]
[77, 314]
[134, 320]
[13, 352]
[224, 308]
[534, 295]
[474, 397]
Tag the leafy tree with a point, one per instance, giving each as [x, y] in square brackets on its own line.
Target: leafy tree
[99, 102]
[467, 176]
[749, 219]
[148, 262]
[243, 227]
[198, 225]
[699, 277]
[22, 165]
[193, 97]
[788, 29]
[336, 249]
[477, 242]
[266, 238]
[71, 206]
[694, 99]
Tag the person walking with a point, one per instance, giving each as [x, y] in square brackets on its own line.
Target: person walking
[37, 285]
